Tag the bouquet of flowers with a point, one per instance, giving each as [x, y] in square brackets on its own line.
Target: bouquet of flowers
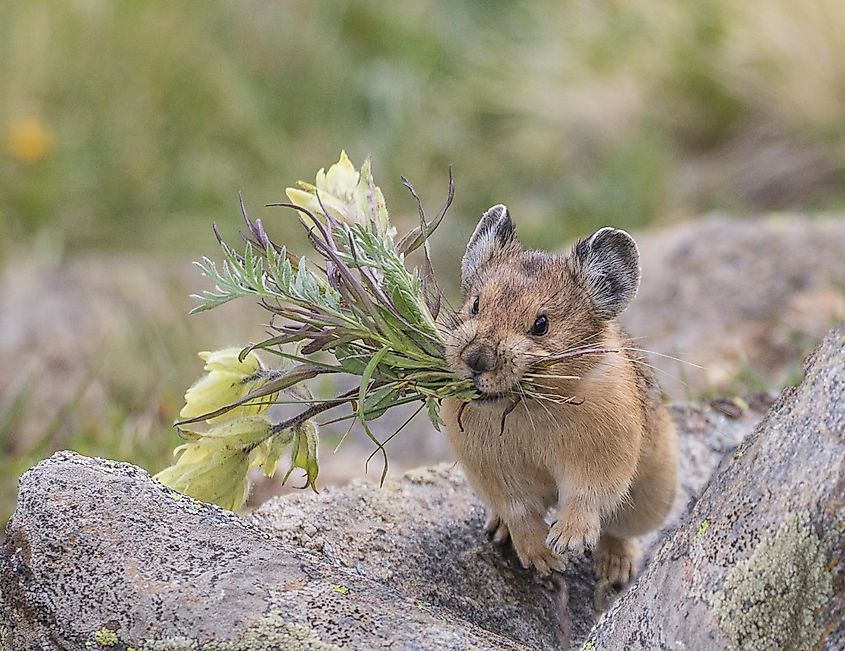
[356, 309]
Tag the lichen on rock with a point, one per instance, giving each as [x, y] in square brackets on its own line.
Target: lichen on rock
[272, 631]
[105, 637]
[770, 600]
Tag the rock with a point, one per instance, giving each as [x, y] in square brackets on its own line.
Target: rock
[745, 299]
[758, 563]
[705, 433]
[98, 553]
[99, 548]
[422, 537]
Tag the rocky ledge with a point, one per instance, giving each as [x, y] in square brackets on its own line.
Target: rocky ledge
[98, 554]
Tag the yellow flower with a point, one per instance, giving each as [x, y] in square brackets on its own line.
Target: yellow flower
[348, 196]
[341, 179]
[228, 380]
[267, 454]
[371, 201]
[213, 468]
[29, 140]
[244, 431]
[227, 359]
[303, 453]
[215, 474]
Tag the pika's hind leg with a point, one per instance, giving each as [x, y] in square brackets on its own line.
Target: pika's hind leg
[615, 558]
[497, 528]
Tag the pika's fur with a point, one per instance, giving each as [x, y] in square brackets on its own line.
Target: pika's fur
[606, 461]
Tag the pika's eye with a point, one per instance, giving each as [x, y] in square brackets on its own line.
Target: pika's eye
[474, 307]
[541, 326]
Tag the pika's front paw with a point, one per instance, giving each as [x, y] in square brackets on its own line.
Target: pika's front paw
[496, 528]
[533, 553]
[574, 531]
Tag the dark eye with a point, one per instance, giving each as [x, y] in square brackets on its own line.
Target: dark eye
[541, 326]
[474, 307]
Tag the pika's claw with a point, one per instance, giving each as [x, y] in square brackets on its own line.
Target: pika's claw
[573, 534]
[533, 553]
[543, 560]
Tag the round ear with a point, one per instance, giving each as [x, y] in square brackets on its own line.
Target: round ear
[494, 233]
[609, 265]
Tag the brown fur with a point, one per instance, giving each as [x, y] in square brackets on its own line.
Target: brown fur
[608, 465]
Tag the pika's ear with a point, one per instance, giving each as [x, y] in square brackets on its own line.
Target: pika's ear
[493, 236]
[608, 263]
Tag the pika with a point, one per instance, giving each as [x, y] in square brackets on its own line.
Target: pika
[591, 437]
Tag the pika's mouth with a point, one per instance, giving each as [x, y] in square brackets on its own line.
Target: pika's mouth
[490, 398]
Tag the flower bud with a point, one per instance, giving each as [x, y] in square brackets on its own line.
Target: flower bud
[348, 196]
[303, 453]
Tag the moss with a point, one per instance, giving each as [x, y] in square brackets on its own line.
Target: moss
[105, 637]
[771, 599]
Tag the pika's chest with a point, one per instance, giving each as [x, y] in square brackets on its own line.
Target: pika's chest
[490, 436]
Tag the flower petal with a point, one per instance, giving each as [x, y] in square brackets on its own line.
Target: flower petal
[242, 431]
[340, 180]
[303, 453]
[370, 202]
[226, 359]
[212, 472]
[211, 392]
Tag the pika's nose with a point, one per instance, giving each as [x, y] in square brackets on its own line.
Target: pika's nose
[479, 357]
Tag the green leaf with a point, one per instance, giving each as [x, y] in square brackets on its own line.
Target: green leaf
[378, 401]
[353, 359]
[365, 379]
[433, 410]
[362, 412]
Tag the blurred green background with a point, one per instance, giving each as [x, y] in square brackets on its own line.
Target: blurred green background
[128, 127]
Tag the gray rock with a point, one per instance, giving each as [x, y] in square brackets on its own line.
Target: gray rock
[422, 537]
[746, 300]
[757, 564]
[97, 547]
[98, 553]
